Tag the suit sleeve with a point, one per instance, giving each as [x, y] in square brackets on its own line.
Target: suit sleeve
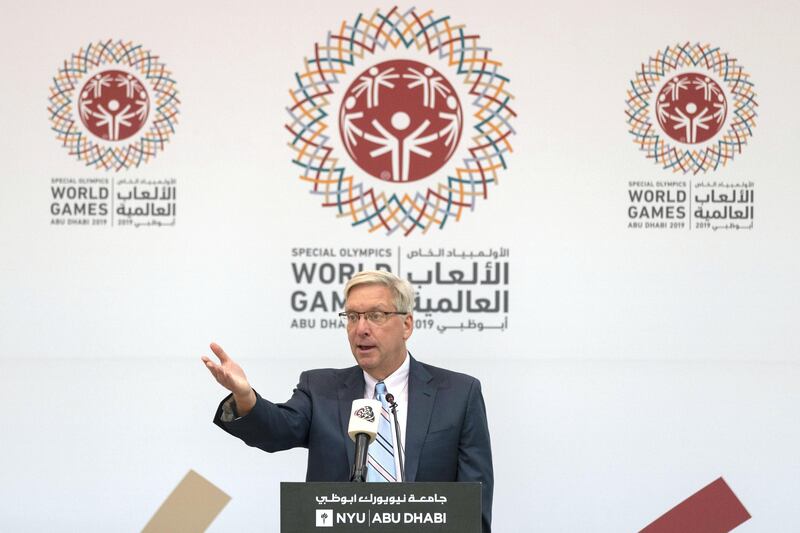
[273, 427]
[475, 451]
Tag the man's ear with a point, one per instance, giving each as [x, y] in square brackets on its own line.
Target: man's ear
[408, 326]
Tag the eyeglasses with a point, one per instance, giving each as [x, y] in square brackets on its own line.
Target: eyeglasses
[351, 318]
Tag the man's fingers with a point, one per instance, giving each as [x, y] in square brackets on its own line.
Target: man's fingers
[211, 366]
[227, 372]
[218, 373]
[219, 352]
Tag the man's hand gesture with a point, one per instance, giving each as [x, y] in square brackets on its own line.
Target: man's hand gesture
[231, 376]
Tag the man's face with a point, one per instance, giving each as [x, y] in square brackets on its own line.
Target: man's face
[379, 349]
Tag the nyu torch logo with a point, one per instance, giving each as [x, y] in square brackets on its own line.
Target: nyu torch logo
[324, 518]
[401, 160]
[113, 105]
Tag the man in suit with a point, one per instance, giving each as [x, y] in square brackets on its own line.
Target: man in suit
[445, 435]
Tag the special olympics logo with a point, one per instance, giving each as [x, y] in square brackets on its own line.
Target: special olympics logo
[398, 161]
[691, 108]
[113, 105]
[407, 133]
[365, 413]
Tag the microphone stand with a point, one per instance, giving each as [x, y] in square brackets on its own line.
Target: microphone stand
[359, 471]
[393, 405]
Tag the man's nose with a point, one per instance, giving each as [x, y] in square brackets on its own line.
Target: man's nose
[362, 326]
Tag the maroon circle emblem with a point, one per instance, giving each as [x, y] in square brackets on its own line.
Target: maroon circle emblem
[691, 108]
[113, 105]
[400, 120]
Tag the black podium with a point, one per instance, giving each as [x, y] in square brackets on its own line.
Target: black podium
[381, 507]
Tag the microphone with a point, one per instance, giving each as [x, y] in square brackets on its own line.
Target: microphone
[399, 447]
[363, 429]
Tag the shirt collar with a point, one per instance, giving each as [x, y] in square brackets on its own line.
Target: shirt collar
[395, 383]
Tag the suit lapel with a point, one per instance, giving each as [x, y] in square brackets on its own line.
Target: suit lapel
[421, 396]
[351, 388]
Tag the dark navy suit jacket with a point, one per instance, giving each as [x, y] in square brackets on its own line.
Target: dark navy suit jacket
[447, 435]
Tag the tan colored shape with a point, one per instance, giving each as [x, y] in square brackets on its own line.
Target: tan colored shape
[190, 508]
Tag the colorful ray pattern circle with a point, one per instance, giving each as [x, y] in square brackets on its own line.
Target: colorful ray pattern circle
[65, 95]
[647, 131]
[329, 177]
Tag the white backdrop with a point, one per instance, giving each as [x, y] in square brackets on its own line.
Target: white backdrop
[637, 367]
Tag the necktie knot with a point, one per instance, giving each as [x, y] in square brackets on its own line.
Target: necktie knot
[380, 391]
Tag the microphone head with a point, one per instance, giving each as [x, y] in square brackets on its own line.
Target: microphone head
[389, 398]
[364, 418]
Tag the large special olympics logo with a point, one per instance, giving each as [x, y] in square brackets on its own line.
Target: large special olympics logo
[377, 121]
[691, 108]
[113, 105]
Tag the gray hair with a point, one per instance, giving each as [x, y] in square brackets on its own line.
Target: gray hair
[401, 289]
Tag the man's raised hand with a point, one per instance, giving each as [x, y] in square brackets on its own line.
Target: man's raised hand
[231, 376]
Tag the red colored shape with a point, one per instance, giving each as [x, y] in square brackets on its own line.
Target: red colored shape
[113, 105]
[400, 120]
[691, 108]
[712, 509]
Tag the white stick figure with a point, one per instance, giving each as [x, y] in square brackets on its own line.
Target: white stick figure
[388, 144]
[691, 124]
[400, 150]
[708, 87]
[721, 108]
[123, 119]
[348, 124]
[130, 83]
[143, 108]
[84, 108]
[450, 130]
[97, 83]
[113, 119]
[372, 84]
[662, 108]
[430, 85]
[675, 85]
[413, 144]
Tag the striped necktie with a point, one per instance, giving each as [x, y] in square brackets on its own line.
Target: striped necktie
[380, 457]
